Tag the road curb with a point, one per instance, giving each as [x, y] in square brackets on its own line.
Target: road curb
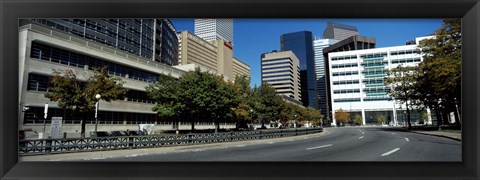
[439, 135]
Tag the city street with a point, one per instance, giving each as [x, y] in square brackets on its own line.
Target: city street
[339, 144]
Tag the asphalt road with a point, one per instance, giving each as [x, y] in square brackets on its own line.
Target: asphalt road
[340, 144]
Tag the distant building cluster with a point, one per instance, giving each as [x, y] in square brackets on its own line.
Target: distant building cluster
[340, 70]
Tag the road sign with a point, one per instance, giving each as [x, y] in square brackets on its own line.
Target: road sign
[56, 127]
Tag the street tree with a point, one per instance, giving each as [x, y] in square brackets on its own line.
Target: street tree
[195, 96]
[380, 119]
[79, 96]
[440, 71]
[357, 119]
[341, 116]
[402, 82]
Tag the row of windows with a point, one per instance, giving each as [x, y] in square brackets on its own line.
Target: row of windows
[376, 55]
[379, 98]
[273, 72]
[344, 57]
[278, 63]
[278, 67]
[42, 83]
[344, 65]
[405, 60]
[403, 52]
[345, 82]
[35, 115]
[274, 76]
[276, 59]
[52, 54]
[347, 100]
[281, 84]
[347, 73]
[346, 91]
[276, 80]
[374, 72]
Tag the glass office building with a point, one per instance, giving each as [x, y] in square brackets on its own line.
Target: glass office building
[154, 39]
[301, 44]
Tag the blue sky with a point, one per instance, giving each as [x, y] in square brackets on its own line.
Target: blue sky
[252, 37]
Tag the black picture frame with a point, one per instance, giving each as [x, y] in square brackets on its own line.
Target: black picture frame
[12, 10]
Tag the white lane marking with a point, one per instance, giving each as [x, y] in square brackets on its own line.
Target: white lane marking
[240, 145]
[320, 147]
[363, 132]
[406, 139]
[390, 152]
[393, 133]
[360, 137]
[198, 150]
[270, 142]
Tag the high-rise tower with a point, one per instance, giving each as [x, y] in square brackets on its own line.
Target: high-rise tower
[301, 44]
[339, 31]
[214, 29]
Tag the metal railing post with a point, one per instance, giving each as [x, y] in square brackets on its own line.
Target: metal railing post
[48, 146]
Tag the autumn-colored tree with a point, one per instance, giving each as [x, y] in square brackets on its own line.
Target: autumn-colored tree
[341, 116]
[78, 96]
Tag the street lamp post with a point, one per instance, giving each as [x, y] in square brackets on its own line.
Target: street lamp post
[96, 112]
[295, 122]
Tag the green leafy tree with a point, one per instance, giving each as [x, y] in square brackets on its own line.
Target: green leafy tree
[440, 71]
[357, 119]
[380, 119]
[402, 83]
[341, 116]
[195, 96]
[313, 115]
[73, 94]
[423, 117]
[269, 103]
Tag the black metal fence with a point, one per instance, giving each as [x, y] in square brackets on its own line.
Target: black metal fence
[65, 145]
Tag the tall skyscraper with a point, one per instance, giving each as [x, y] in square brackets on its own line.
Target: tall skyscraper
[318, 45]
[339, 31]
[281, 70]
[154, 39]
[301, 44]
[214, 29]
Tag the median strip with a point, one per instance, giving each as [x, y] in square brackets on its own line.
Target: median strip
[319, 147]
[360, 137]
[406, 139]
[390, 152]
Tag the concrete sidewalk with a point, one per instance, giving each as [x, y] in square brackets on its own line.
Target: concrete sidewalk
[93, 155]
[450, 135]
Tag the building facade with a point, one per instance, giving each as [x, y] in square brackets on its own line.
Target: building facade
[350, 44]
[213, 56]
[43, 49]
[318, 46]
[357, 81]
[301, 44]
[339, 31]
[153, 39]
[281, 70]
[214, 29]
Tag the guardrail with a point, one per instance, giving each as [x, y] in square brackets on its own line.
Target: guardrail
[65, 145]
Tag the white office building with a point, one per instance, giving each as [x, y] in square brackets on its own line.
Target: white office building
[214, 29]
[357, 81]
[318, 45]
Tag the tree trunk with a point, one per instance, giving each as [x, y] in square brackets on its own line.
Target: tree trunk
[82, 131]
[217, 126]
[439, 117]
[408, 118]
